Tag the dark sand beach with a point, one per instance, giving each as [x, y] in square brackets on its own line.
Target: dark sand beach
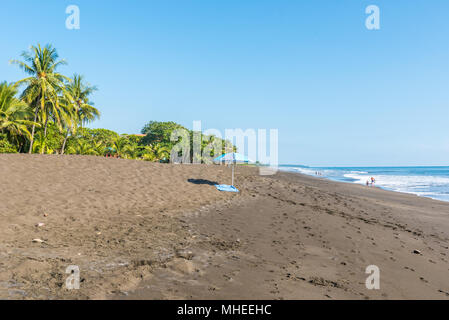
[140, 230]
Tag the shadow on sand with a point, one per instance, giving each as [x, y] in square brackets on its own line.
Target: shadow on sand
[202, 181]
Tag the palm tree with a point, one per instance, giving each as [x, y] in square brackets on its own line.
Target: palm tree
[156, 152]
[39, 144]
[44, 86]
[84, 110]
[14, 114]
[99, 148]
[69, 119]
[148, 154]
[82, 147]
[80, 92]
[121, 146]
[132, 150]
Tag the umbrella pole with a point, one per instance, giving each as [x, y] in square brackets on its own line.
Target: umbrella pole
[233, 165]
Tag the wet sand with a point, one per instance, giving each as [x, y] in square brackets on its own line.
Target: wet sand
[140, 230]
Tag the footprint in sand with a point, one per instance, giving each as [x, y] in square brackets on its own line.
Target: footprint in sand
[446, 293]
[423, 280]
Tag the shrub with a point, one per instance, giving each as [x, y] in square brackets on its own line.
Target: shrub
[6, 146]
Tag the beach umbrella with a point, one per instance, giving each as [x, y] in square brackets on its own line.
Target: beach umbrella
[232, 158]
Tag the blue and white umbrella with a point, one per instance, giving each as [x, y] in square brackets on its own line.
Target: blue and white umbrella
[233, 158]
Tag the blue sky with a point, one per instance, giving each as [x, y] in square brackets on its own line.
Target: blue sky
[338, 93]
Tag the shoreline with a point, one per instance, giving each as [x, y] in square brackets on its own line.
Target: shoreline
[255, 264]
[153, 231]
[381, 187]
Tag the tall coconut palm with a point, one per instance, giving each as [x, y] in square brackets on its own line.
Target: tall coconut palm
[80, 92]
[44, 86]
[85, 112]
[69, 119]
[14, 114]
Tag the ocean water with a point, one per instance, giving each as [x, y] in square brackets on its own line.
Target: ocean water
[431, 182]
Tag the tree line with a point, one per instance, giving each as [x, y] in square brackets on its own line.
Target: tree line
[48, 113]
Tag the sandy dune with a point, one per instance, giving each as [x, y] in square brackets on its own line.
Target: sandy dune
[153, 231]
[101, 214]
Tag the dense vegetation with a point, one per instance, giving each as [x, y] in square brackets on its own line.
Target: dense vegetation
[47, 113]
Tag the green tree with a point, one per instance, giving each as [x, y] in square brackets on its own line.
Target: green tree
[121, 147]
[156, 152]
[80, 92]
[133, 150]
[148, 154]
[39, 142]
[99, 148]
[82, 147]
[80, 105]
[44, 86]
[159, 132]
[105, 136]
[161, 152]
[6, 146]
[49, 142]
[14, 115]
